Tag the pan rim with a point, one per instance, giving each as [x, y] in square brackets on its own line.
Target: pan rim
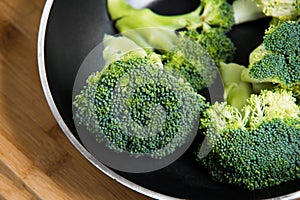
[49, 98]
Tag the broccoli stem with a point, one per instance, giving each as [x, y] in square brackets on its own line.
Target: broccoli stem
[246, 10]
[143, 18]
[236, 91]
[149, 29]
[117, 47]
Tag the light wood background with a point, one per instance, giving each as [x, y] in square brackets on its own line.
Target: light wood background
[37, 161]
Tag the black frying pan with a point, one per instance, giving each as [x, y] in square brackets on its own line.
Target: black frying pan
[69, 32]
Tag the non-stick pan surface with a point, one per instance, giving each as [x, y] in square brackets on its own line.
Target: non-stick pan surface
[70, 29]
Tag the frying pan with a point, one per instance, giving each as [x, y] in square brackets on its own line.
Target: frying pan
[69, 30]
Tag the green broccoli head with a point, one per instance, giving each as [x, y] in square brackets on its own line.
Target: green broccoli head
[256, 159]
[281, 9]
[276, 60]
[257, 147]
[283, 38]
[137, 107]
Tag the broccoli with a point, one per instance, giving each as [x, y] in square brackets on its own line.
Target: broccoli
[252, 139]
[257, 146]
[158, 31]
[135, 106]
[185, 41]
[276, 61]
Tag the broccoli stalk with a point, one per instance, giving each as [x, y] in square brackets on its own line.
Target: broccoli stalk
[147, 25]
[117, 47]
[246, 10]
[236, 91]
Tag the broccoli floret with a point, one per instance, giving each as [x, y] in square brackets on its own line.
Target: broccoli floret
[208, 15]
[206, 26]
[283, 38]
[276, 60]
[136, 107]
[257, 147]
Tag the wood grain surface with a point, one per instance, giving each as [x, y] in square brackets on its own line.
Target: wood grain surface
[37, 161]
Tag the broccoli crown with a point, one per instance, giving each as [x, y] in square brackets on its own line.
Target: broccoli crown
[281, 9]
[258, 108]
[191, 61]
[264, 157]
[247, 144]
[138, 108]
[276, 60]
[277, 69]
[283, 38]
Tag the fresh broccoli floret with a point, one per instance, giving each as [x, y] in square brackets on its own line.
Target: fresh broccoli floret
[256, 147]
[276, 60]
[283, 38]
[208, 16]
[136, 107]
[206, 26]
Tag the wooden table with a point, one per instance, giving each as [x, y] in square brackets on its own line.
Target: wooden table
[37, 161]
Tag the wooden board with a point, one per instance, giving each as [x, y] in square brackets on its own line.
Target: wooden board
[37, 161]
